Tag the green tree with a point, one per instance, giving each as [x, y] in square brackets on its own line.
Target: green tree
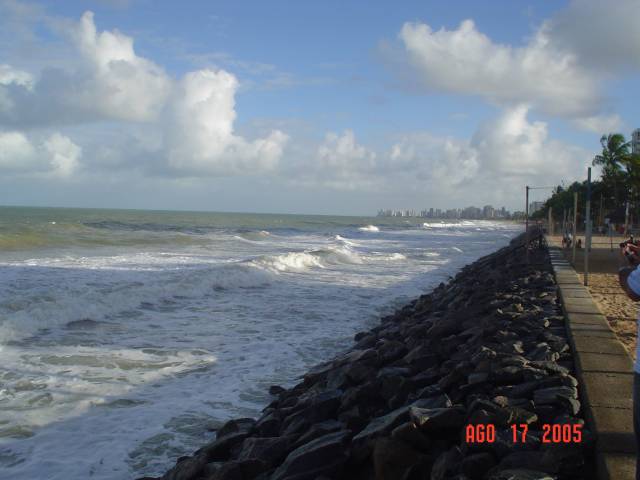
[613, 160]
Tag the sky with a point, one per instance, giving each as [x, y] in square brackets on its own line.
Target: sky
[325, 107]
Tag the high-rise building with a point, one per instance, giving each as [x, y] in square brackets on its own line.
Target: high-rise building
[635, 141]
[535, 206]
[488, 211]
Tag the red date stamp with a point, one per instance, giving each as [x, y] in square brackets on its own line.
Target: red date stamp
[551, 433]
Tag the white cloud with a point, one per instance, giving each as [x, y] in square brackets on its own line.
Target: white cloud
[466, 61]
[55, 156]
[109, 82]
[16, 152]
[510, 147]
[63, 153]
[600, 124]
[124, 85]
[494, 165]
[340, 162]
[188, 123]
[503, 155]
[436, 160]
[200, 136]
[9, 75]
[604, 35]
[343, 156]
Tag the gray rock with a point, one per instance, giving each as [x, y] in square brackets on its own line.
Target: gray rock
[269, 425]
[270, 450]
[235, 426]
[447, 464]
[383, 425]
[323, 456]
[319, 430]
[276, 390]
[359, 372]
[519, 474]
[476, 465]
[392, 459]
[479, 377]
[411, 435]
[238, 470]
[434, 419]
[555, 395]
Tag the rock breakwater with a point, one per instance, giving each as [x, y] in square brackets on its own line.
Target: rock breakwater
[471, 381]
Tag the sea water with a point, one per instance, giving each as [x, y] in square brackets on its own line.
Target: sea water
[128, 337]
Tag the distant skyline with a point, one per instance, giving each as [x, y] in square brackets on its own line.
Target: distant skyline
[308, 107]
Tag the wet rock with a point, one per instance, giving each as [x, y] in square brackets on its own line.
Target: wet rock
[354, 419]
[390, 350]
[238, 425]
[529, 460]
[188, 468]
[359, 372]
[276, 390]
[519, 474]
[434, 419]
[564, 396]
[476, 465]
[270, 450]
[382, 425]
[325, 455]
[411, 435]
[319, 430]
[269, 425]
[392, 459]
[447, 464]
[238, 470]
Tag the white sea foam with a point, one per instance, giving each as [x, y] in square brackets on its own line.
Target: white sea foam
[369, 228]
[28, 313]
[440, 225]
[289, 262]
[346, 241]
[123, 358]
[303, 261]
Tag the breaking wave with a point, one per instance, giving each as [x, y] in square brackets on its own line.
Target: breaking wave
[82, 302]
[306, 260]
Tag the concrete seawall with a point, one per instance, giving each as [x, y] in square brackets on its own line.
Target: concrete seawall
[604, 371]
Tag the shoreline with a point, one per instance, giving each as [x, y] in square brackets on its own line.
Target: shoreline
[489, 347]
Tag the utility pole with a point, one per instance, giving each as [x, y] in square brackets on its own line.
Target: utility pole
[575, 223]
[626, 220]
[550, 221]
[587, 234]
[601, 213]
[526, 223]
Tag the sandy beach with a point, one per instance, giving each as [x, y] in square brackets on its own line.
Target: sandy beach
[621, 312]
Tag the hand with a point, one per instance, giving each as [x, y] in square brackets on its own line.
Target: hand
[631, 254]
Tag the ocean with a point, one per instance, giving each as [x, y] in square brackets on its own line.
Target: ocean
[127, 337]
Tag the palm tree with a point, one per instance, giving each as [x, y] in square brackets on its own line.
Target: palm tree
[613, 160]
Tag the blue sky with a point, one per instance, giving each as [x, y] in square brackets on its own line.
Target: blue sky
[307, 107]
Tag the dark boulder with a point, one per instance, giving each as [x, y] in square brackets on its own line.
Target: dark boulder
[325, 455]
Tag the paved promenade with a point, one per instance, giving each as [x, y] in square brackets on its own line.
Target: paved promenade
[605, 372]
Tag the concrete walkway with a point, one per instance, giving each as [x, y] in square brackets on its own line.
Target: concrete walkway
[604, 371]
